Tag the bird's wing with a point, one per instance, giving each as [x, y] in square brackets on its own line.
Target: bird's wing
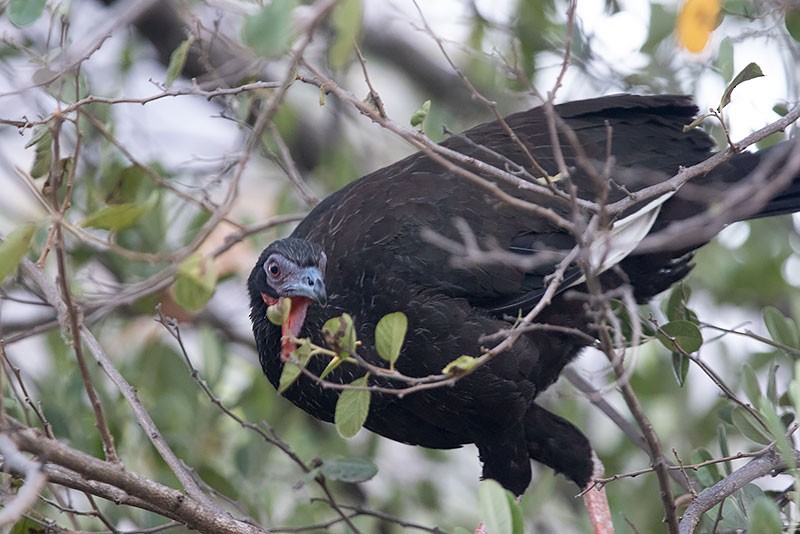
[387, 213]
[606, 250]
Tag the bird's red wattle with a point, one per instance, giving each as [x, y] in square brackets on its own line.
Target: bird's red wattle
[293, 324]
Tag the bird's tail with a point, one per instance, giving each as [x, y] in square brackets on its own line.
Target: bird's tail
[775, 162]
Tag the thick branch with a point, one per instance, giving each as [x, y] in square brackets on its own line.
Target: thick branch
[115, 483]
[763, 465]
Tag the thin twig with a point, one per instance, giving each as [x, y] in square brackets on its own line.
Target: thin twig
[34, 483]
[290, 168]
[172, 327]
[72, 311]
[129, 392]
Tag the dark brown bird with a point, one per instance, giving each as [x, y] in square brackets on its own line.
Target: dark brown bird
[362, 251]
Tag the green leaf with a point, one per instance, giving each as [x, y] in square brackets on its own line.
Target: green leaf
[126, 185]
[676, 309]
[389, 336]
[42, 140]
[750, 385]
[662, 24]
[780, 109]
[351, 470]
[740, 8]
[749, 426]
[778, 431]
[462, 364]
[352, 409]
[279, 312]
[291, 371]
[684, 334]
[177, 60]
[27, 526]
[293, 367]
[680, 367]
[697, 122]
[268, 32]
[14, 248]
[115, 217]
[748, 496]
[765, 517]
[772, 383]
[794, 394]
[673, 308]
[340, 335]
[494, 506]
[517, 522]
[725, 413]
[23, 13]
[725, 59]
[419, 116]
[752, 70]
[772, 139]
[794, 388]
[307, 478]
[792, 22]
[195, 282]
[724, 450]
[346, 21]
[709, 474]
[626, 323]
[781, 328]
[69, 87]
[331, 367]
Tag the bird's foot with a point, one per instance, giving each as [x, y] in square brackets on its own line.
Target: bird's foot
[596, 502]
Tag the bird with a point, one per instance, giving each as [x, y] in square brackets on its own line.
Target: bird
[366, 250]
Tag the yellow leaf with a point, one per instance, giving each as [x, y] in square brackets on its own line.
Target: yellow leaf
[696, 21]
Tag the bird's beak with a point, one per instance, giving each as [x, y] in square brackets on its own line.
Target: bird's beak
[307, 282]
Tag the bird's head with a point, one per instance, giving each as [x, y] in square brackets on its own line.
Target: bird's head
[289, 268]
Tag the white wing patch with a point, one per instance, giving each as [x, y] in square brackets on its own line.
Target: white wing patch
[613, 246]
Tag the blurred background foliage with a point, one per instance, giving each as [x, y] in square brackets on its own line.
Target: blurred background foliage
[157, 185]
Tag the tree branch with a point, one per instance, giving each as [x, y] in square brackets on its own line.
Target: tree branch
[115, 483]
[769, 462]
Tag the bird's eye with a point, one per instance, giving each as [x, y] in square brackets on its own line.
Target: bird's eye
[273, 269]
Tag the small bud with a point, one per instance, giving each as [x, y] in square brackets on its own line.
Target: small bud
[461, 365]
